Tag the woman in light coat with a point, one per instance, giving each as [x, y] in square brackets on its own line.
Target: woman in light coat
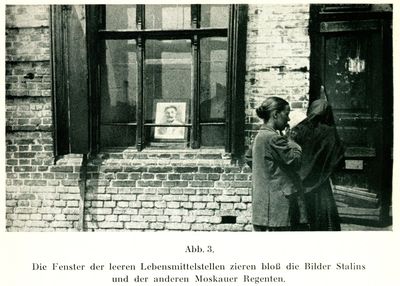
[277, 198]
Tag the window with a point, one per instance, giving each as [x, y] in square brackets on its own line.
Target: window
[158, 76]
[181, 52]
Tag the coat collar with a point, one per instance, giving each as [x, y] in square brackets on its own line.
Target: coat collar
[266, 127]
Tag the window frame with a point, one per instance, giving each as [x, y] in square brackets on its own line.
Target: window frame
[236, 34]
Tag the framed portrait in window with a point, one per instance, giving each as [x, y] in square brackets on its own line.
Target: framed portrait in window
[170, 115]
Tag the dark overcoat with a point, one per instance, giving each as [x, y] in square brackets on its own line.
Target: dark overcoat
[275, 183]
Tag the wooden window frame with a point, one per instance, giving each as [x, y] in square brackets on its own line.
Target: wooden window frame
[95, 32]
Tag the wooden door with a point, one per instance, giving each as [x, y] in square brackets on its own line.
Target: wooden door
[351, 58]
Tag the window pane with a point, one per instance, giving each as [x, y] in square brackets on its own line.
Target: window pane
[121, 17]
[167, 17]
[213, 135]
[214, 16]
[167, 86]
[213, 79]
[118, 90]
[117, 136]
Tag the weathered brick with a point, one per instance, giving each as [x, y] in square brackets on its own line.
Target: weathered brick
[177, 226]
[208, 219]
[174, 177]
[176, 212]
[48, 217]
[213, 177]
[25, 210]
[103, 211]
[240, 206]
[156, 226]
[186, 205]
[149, 197]
[211, 170]
[70, 183]
[175, 219]
[171, 184]
[124, 184]
[23, 203]
[150, 211]
[135, 204]
[203, 198]
[147, 204]
[35, 182]
[244, 184]
[173, 205]
[99, 197]
[24, 216]
[229, 227]
[199, 205]
[48, 203]
[178, 198]
[96, 204]
[227, 199]
[186, 170]
[72, 203]
[73, 217]
[63, 169]
[124, 218]
[111, 218]
[71, 211]
[226, 206]
[162, 218]
[201, 212]
[123, 204]
[200, 176]
[200, 227]
[201, 184]
[136, 225]
[68, 197]
[61, 224]
[150, 218]
[163, 169]
[107, 224]
[125, 197]
[149, 183]
[160, 204]
[212, 206]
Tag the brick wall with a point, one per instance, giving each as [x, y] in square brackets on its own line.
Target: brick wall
[182, 190]
[278, 51]
[196, 190]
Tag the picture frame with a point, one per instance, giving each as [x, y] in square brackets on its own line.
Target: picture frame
[174, 113]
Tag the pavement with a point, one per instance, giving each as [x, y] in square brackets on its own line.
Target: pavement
[358, 227]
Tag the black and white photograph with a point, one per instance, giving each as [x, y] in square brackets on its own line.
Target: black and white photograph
[244, 120]
[170, 113]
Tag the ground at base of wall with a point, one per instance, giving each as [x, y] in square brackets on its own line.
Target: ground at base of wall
[357, 227]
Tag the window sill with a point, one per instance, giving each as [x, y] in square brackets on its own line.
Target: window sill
[157, 156]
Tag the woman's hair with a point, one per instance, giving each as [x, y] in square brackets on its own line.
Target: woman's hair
[270, 104]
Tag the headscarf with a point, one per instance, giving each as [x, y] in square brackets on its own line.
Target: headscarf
[321, 145]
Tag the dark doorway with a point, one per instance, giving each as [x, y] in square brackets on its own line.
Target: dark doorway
[351, 57]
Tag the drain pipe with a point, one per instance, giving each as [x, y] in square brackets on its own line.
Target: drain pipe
[82, 191]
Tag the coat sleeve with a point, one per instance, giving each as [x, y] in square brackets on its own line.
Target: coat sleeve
[286, 151]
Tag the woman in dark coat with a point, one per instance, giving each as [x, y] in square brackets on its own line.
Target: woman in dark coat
[276, 185]
[322, 153]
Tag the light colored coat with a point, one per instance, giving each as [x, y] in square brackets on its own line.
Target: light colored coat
[275, 182]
